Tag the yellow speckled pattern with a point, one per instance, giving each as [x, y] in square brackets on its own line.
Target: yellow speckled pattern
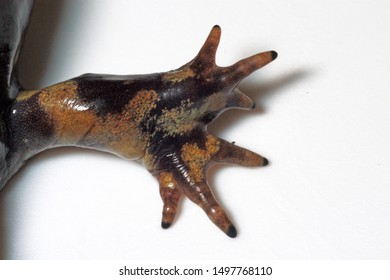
[197, 158]
[179, 75]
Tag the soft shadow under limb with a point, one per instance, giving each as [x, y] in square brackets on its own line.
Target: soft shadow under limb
[258, 93]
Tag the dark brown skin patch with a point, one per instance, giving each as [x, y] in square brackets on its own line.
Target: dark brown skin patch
[158, 119]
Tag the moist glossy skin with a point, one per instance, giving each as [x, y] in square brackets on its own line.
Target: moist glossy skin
[158, 119]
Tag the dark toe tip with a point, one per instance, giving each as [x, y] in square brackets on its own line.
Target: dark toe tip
[231, 232]
[265, 162]
[253, 106]
[274, 55]
[165, 225]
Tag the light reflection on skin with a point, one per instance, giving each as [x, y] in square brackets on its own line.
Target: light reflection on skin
[71, 103]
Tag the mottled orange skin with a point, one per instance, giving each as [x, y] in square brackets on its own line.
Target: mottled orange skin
[158, 119]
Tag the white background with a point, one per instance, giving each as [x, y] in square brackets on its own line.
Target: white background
[323, 120]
